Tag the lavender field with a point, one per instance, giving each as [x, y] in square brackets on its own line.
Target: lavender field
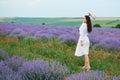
[102, 37]
[46, 52]
[18, 68]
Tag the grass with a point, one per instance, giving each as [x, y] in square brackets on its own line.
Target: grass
[55, 49]
[104, 22]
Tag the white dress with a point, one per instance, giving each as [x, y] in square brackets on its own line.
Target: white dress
[82, 50]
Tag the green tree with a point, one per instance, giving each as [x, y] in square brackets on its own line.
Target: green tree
[117, 26]
[97, 25]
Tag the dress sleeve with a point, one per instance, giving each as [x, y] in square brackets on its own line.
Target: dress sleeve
[83, 31]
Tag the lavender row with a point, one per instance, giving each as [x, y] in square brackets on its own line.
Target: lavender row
[92, 75]
[105, 37]
[18, 68]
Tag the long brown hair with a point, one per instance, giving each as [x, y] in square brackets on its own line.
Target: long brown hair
[89, 24]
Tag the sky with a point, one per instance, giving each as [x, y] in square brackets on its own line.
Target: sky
[59, 8]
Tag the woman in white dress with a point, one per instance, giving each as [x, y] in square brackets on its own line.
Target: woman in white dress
[83, 42]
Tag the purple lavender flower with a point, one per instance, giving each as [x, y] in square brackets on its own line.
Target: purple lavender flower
[5, 72]
[3, 55]
[17, 32]
[15, 62]
[42, 70]
[110, 42]
[116, 78]
[91, 75]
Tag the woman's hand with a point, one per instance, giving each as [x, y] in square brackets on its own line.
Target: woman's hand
[81, 43]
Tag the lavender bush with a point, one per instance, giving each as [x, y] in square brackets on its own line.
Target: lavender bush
[17, 68]
[3, 55]
[112, 43]
[9, 67]
[105, 37]
[17, 33]
[116, 78]
[98, 37]
[42, 70]
[6, 73]
[91, 75]
[15, 62]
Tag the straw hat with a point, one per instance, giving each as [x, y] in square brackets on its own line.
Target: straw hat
[92, 15]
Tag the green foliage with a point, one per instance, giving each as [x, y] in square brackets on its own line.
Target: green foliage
[97, 25]
[43, 23]
[70, 42]
[21, 37]
[13, 44]
[117, 26]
